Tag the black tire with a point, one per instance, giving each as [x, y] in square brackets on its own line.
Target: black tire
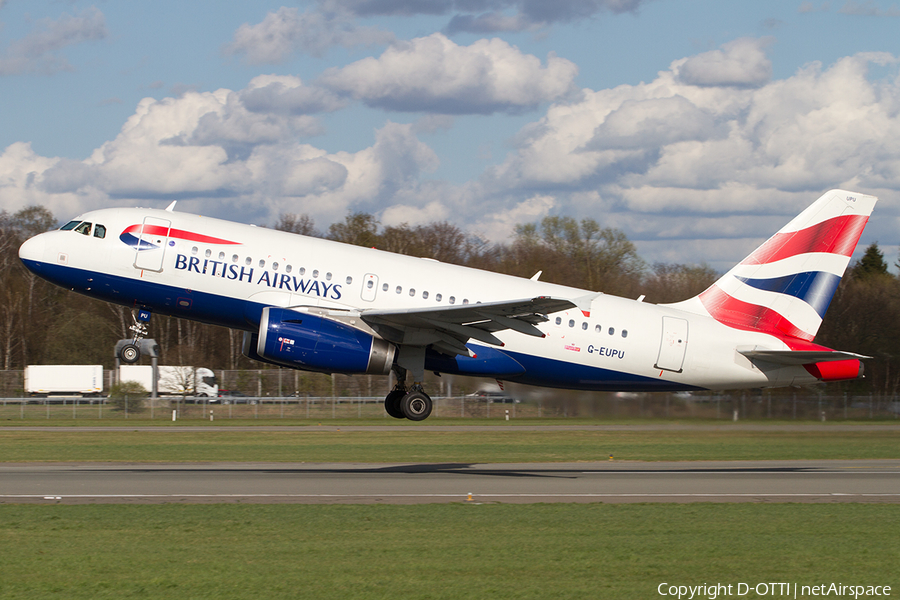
[392, 404]
[130, 354]
[416, 406]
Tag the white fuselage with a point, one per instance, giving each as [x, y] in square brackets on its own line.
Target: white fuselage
[225, 273]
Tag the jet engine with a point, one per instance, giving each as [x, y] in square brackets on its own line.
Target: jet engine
[315, 343]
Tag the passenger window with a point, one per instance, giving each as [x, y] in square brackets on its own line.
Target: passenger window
[247, 261]
[69, 226]
[262, 264]
[412, 291]
[465, 300]
[452, 299]
[349, 280]
[84, 228]
[385, 287]
[584, 325]
[369, 284]
[288, 269]
[624, 333]
[208, 253]
[598, 329]
[315, 273]
[571, 322]
[221, 256]
[438, 298]
[234, 258]
[399, 289]
[425, 295]
[559, 320]
[99, 231]
[274, 266]
[327, 276]
[302, 271]
[612, 331]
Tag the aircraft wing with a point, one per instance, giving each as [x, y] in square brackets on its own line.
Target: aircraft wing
[448, 328]
[800, 357]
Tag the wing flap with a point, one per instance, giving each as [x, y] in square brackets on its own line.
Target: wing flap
[449, 328]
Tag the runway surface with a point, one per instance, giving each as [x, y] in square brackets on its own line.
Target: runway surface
[738, 481]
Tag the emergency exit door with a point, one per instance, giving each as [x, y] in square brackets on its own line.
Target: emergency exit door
[153, 238]
[673, 344]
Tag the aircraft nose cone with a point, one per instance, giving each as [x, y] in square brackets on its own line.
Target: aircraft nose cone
[32, 251]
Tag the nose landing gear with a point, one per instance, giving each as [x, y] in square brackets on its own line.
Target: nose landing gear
[131, 353]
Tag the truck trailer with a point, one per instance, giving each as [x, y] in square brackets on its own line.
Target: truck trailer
[64, 380]
[198, 382]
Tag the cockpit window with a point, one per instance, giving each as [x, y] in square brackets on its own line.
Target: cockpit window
[99, 231]
[84, 228]
[69, 225]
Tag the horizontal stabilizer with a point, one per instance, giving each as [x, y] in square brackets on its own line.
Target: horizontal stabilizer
[800, 357]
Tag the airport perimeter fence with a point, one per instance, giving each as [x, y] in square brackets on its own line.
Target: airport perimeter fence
[284, 394]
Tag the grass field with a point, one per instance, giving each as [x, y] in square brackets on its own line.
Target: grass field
[310, 444]
[437, 551]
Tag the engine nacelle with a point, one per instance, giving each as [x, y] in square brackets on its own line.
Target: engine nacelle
[313, 343]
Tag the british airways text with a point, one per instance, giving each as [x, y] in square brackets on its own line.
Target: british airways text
[271, 279]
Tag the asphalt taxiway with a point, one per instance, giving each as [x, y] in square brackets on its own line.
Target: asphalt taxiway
[305, 483]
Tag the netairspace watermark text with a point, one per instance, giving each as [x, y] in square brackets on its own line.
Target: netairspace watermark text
[771, 590]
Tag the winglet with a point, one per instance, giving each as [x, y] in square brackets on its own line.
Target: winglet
[171, 207]
[584, 303]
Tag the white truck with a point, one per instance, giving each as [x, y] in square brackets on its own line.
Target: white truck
[64, 380]
[198, 382]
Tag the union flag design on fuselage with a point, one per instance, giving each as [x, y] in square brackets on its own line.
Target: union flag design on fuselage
[132, 236]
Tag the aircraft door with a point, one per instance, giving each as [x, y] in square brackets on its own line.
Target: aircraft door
[673, 344]
[370, 287]
[152, 241]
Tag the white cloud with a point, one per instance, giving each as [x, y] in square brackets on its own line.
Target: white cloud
[434, 74]
[670, 145]
[486, 16]
[286, 31]
[741, 63]
[208, 148]
[665, 160]
[868, 8]
[285, 94]
[636, 123]
[40, 50]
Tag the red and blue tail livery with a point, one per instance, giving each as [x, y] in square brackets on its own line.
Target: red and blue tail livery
[785, 286]
[318, 305]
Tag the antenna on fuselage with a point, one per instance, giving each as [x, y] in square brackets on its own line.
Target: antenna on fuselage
[171, 207]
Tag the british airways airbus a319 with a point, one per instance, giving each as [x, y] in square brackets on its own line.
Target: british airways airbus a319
[319, 305]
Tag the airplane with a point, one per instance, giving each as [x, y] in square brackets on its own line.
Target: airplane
[319, 305]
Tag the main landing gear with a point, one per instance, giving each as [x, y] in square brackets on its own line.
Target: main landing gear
[131, 353]
[407, 402]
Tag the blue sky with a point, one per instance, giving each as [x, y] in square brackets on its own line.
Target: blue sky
[697, 127]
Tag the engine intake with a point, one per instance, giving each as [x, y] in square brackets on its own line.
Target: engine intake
[314, 343]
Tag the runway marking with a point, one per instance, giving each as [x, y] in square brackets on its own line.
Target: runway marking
[738, 471]
[461, 496]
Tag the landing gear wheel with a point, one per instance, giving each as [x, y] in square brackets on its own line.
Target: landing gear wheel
[392, 404]
[130, 354]
[416, 406]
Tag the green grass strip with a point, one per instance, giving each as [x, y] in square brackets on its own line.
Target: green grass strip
[309, 445]
[461, 551]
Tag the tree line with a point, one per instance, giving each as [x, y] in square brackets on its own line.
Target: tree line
[44, 324]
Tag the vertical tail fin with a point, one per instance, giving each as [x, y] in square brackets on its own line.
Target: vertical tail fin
[785, 286]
